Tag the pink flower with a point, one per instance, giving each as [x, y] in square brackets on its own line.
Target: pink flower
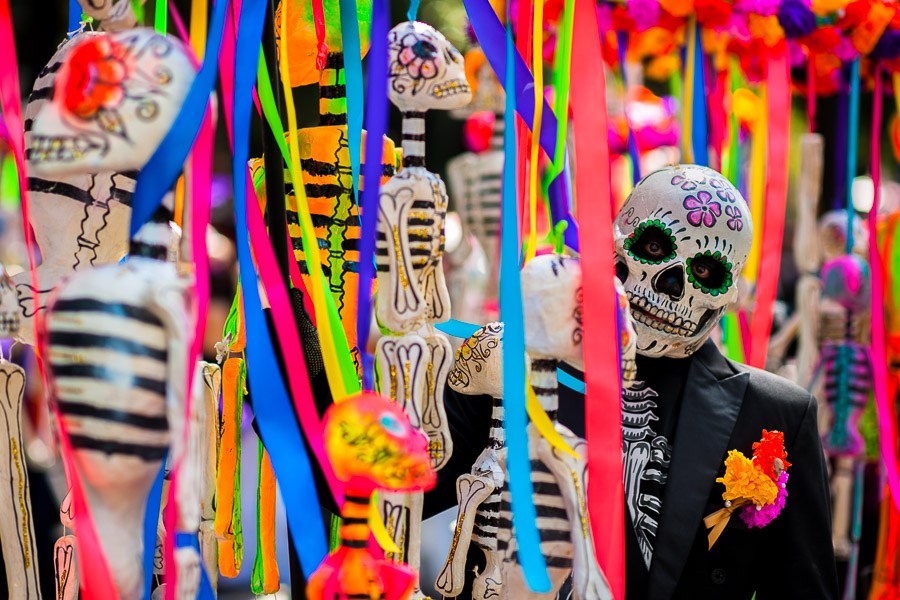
[760, 517]
[702, 208]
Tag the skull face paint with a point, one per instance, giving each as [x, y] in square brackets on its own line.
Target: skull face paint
[682, 239]
[426, 72]
[116, 97]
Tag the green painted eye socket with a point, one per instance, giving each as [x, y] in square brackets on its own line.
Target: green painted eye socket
[709, 272]
[651, 243]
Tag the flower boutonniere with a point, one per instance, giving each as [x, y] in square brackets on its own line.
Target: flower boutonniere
[758, 485]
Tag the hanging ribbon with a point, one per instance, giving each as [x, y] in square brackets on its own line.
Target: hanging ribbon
[778, 85]
[561, 79]
[163, 168]
[699, 132]
[353, 78]
[687, 133]
[376, 126]
[887, 435]
[622, 38]
[852, 149]
[341, 373]
[524, 515]
[198, 26]
[96, 580]
[605, 491]
[413, 10]
[537, 65]
[734, 145]
[542, 422]
[160, 19]
[757, 185]
[271, 404]
[811, 92]
[151, 523]
[74, 18]
[319, 23]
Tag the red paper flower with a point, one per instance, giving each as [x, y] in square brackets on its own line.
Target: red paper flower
[713, 13]
[93, 76]
[769, 449]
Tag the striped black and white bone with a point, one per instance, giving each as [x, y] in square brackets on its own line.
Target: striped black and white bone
[551, 298]
[478, 370]
[16, 522]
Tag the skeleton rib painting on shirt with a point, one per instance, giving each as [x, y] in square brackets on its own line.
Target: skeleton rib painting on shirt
[646, 458]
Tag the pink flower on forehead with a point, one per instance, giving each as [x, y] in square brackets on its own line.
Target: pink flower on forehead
[702, 209]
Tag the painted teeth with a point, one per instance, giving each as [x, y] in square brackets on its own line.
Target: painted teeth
[670, 323]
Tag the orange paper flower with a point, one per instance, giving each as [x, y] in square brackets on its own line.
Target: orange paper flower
[743, 480]
[93, 76]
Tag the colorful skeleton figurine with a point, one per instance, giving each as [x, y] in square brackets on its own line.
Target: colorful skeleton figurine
[478, 370]
[426, 72]
[551, 300]
[16, 524]
[116, 346]
[80, 218]
[371, 445]
[325, 155]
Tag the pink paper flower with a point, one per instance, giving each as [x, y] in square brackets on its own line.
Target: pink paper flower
[762, 516]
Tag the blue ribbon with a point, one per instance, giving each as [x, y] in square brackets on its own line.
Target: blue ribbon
[570, 381]
[413, 10]
[274, 412]
[161, 171]
[151, 522]
[376, 125]
[189, 540]
[353, 80]
[74, 17]
[698, 118]
[530, 556]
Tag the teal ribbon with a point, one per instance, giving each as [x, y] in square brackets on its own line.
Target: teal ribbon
[531, 559]
[852, 141]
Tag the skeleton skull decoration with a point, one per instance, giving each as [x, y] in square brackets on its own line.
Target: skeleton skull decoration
[114, 95]
[426, 71]
[682, 238]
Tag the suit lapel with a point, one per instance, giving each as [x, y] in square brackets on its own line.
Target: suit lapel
[712, 399]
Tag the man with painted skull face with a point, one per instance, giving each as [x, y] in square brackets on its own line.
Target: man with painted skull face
[682, 239]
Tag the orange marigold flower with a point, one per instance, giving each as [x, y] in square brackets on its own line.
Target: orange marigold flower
[743, 480]
[769, 449]
[93, 76]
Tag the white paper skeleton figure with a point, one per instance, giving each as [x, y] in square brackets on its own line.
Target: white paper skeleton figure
[551, 301]
[80, 219]
[682, 238]
[116, 333]
[479, 370]
[64, 566]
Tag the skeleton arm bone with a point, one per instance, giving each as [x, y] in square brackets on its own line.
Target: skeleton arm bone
[471, 491]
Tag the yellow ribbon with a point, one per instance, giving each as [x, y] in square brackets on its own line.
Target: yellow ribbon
[542, 421]
[340, 384]
[198, 27]
[538, 67]
[758, 183]
[378, 529]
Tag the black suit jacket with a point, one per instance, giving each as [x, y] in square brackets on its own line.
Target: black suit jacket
[726, 406]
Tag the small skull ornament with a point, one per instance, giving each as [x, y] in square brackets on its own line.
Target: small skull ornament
[426, 72]
[116, 95]
[551, 305]
[682, 239]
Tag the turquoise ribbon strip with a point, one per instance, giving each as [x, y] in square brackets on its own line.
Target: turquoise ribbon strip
[852, 141]
[521, 490]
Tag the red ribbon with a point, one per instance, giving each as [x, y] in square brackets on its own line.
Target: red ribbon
[778, 80]
[96, 581]
[319, 22]
[603, 416]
